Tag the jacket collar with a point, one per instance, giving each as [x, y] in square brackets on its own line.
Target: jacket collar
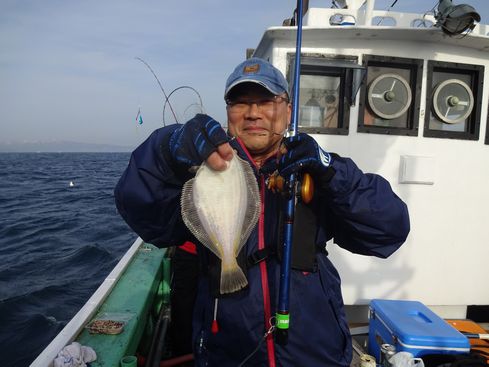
[268, 166]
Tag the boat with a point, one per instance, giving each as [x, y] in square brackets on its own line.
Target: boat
[404, 95]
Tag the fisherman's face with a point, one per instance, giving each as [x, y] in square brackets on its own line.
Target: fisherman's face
[258, 118]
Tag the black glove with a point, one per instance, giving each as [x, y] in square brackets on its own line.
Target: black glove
[304, 154]
[192, 143]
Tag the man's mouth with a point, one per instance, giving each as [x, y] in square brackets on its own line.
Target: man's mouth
[255, 130]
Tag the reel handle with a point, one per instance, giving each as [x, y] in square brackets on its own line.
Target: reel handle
[305, 187]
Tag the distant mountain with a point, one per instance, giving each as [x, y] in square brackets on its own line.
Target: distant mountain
[60, 146]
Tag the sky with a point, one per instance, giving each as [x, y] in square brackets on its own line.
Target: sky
[68, 70]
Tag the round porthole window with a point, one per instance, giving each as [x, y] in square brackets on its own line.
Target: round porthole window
[389, 96]
[453, 101]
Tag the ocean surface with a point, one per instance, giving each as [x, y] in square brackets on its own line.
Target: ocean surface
[57, 242]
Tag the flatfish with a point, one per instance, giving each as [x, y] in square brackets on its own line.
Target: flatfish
[221, 208]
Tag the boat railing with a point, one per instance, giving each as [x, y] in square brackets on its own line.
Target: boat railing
[77, 323]
[331, 18]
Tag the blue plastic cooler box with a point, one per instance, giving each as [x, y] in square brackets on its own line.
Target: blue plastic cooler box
[412, 327]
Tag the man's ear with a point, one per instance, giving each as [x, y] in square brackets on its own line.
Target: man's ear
[289, 114]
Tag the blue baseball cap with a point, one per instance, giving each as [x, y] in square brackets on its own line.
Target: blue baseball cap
[256, 70]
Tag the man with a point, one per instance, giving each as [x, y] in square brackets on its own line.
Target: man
[358, 210]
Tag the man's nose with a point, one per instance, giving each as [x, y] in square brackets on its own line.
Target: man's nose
[253, 110]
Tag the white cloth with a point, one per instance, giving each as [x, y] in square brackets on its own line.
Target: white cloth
[405, 359]
[75, 355]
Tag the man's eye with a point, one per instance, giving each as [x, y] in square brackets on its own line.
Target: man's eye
[240, 104]
[266, 102]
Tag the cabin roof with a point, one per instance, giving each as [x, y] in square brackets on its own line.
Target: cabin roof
[325, 25]
[321, 36]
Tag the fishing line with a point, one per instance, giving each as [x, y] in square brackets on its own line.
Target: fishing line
[252, 353]
[260, 342]
[161, 87]
[192, 105]
[167, 102]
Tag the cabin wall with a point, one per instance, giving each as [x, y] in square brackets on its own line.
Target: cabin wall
[445, 260]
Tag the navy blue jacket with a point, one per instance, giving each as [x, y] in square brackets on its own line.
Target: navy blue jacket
[360, 211]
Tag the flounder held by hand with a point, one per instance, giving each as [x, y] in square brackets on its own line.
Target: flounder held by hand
[221, 208]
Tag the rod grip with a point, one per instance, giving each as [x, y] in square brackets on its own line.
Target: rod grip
[282, 330]
[282, 336]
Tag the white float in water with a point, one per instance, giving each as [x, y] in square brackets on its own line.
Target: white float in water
[72, 184]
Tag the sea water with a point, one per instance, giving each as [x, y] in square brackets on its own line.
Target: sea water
[60, 236]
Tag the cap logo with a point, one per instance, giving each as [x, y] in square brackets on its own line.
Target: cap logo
[251, 69]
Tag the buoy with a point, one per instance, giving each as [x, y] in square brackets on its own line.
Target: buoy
[72, 184]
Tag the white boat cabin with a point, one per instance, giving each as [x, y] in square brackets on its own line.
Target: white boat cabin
[405, 100]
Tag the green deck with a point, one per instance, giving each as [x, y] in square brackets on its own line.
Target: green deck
[130, 300]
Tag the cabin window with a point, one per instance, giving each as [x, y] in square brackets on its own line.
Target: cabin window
[422, 22]
[319, 101]
[390, 95]
[453, 100]
[327, 89]
[384, 21]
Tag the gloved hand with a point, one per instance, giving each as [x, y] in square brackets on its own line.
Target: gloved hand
[196, 140]
[303, 153]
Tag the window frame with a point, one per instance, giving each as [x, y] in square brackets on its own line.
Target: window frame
[415, 66]
[330, 66]
[476, 72]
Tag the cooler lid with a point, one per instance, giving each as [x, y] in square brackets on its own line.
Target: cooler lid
[415, 325]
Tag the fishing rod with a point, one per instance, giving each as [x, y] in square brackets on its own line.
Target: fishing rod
[167, 102]
[161, 87]
[282, 315]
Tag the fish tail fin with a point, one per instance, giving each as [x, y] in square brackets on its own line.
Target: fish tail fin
[232, 278]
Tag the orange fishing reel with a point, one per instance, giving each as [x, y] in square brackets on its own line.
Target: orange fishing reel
[304, 190]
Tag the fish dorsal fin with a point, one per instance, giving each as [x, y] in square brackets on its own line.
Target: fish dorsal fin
[192, 220]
